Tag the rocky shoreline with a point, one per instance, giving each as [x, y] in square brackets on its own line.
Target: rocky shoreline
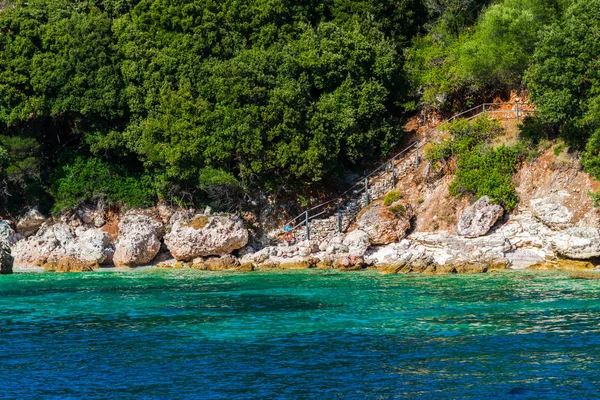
[169, 238]
[419, 228]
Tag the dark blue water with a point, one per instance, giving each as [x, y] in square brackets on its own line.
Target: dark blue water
[319, 334]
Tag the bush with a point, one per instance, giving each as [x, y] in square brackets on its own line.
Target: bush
[88, 180]
[488, 172]
[481, 170]
[464, 135]
[595, 196]
[558, 149]
[391, 197]
[222, 189]
[533, 131]
[399, 210]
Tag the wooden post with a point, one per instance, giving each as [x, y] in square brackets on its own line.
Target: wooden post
[393, 174]
[307, 226]
[484, 108]
[517, 108]
[367, 190]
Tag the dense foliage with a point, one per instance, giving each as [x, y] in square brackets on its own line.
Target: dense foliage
[256, 93]
[195, 101]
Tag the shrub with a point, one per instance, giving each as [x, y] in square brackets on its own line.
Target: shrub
[87, 180]
[399, 210]
[481, 170]
[391, 197]
[595, 196]
[533, 131]
[488, 172]
[222, 189]
[464, 135]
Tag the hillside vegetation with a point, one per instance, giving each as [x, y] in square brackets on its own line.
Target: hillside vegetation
[203, 102]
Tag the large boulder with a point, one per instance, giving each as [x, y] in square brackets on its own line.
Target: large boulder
[58, 247]
[357, 242]
[383, 224]
[478, 218]
[203, 236]
[335, 245]
[139, 240]
[551, 213]
[579, 243]
[29, 223]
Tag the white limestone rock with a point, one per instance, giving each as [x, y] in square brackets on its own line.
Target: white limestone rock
[579, 243]
[204, 236]
[139, 240]
[478, 218]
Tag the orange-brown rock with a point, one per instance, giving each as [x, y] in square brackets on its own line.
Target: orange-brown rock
[563, 265]
[300, 263]
[385, 225]
[224, 263]
[70, 265]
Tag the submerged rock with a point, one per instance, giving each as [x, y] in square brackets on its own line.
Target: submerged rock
[585, 275]
[138, 242]
[477, 219]
[563, 265]
[205, 236]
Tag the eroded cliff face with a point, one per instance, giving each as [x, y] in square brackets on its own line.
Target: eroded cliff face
[554, 226]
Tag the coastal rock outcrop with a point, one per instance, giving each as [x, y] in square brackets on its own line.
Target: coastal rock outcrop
[579, 243]
[139, 240]
[450, 249]
[29, 223]
[60, 248]
[383, 224]
[204, 235]
[552, 213]
[478, 218]
[223, 263]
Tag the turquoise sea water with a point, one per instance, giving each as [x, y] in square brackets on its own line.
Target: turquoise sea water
[166, 334]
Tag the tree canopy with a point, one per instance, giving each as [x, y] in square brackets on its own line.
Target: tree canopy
[270, 93]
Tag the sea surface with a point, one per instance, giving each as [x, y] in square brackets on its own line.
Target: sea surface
[183, 334]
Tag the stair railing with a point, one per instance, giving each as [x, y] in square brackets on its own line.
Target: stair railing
[361, 187]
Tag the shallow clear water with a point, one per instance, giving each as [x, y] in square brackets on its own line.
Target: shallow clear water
[166, 334]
